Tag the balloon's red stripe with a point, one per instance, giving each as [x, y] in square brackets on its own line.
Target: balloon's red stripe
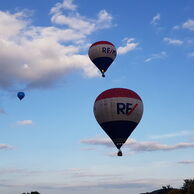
[102, 42]
[118, 92]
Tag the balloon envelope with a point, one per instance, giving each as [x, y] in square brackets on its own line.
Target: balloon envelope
[118, 111]
[20, 95]
[102, 54]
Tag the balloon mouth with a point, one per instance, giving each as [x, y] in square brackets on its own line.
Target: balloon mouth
[119, 153]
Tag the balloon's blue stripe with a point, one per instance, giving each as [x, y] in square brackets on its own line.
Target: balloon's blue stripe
[102, 62]
[119, 131]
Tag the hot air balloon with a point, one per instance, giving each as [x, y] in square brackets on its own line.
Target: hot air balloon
[20, 95]
[118, 111]
[102, 54]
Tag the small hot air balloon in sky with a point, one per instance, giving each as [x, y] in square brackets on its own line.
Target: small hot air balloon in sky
[20, 95]
[102, 54]
[118, 111]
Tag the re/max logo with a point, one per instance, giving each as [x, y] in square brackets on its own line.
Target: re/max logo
[125, 108]
[109, 50]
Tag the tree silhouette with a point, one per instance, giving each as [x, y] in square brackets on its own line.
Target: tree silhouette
[167, 188]
[188, 186]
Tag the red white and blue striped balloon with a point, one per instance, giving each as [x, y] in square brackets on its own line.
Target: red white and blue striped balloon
[118, 111]
[102, 54]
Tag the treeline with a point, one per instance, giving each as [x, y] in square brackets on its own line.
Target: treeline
[187, 188]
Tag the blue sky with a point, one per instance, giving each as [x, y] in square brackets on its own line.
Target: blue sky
[50, 141]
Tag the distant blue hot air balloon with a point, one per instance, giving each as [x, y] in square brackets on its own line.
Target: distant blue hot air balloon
[102, 54]
[20, 95]
[118, 111]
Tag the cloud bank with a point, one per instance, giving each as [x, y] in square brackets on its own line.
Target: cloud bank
[25, 122]
[37, 56]
[100, 180]
[5, 147]
[139, 146]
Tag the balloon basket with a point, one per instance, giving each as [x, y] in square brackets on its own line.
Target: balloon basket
[119, 153]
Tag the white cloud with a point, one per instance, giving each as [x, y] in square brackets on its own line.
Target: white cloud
[25, 122]
[139, 146]
[75, 22]
[155, 19]
[186, 162]
[67, 5]
[173, 41]
[11, 24]
[104, 20]
[160, 55]
[5, 147]
[176, 27]
[191, 54]
[171, 135]
[81, 24]
[154, 146]
[38, 56]
[129, 46]
[98, 141]
[88, 149]
[189, 24]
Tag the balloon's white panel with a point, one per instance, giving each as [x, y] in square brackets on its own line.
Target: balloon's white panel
[102, 50]
[118, 109]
